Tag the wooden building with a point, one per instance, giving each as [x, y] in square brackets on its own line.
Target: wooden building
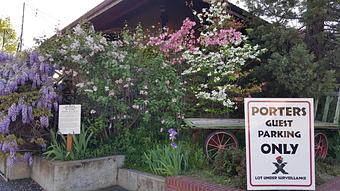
[111, 15]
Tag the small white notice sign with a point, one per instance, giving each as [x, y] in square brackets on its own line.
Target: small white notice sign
[69, 119]
[280, 143]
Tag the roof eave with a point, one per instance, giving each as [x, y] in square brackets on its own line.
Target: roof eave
[96, 11]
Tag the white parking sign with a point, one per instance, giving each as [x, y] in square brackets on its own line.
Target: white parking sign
[280, 143]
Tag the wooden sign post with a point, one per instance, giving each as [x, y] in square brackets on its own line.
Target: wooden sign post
[69, 122]
[69, 142]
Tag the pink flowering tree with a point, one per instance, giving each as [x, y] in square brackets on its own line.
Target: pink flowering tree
[174, 44]
[28, 99]
[212, 61]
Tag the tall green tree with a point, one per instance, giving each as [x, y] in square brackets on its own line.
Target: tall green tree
[8, 36]
[302, 38]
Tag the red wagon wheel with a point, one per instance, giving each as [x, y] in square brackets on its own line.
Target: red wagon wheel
[218, 141]
[321, 145]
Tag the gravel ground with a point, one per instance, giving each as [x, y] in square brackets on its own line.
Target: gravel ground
[114, 188]
[30, 185]
[19, 185]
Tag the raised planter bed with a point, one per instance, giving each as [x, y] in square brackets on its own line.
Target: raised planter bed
[80, 175]
[134, 180]
[19, 170]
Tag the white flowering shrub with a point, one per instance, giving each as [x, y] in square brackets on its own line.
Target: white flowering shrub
[76, 48]
[212, 62]
[133, 87]
[124, 83]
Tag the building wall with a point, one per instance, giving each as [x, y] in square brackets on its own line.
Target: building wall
[149, 15]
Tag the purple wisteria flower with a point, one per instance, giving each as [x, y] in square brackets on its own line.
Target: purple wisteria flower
[43, 146]
[24, 114]
[28, 158]
[10, 146]
[34, 76]
[44, 121]
[30, 113]
[11, 160]
[4, 57]
[12, 112]
[4, 125]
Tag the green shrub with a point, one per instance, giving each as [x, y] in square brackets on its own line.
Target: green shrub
[167, 161]
[333, 156]
[197, 158]
[120, 84]
[232, 164]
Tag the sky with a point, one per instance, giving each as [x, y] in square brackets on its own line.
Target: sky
[42, 17]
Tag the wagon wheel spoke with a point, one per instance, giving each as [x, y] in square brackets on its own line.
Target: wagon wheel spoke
[212, 149]
[212, 145]
[230, 144]
[222, 139]
[316, 152]
[214, 141]
[226, 142]
[218, 138]
[215, 154]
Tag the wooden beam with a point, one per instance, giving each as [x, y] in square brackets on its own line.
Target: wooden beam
[337, 111]
[326, 108]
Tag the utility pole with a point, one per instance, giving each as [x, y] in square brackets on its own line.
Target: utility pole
[22, 28]
[3, 40]
[3, 34]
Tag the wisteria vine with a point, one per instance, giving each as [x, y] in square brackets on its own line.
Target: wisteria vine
[28, 98]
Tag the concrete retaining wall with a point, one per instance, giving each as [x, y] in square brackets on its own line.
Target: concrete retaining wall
[81, 175]
[19, 170]
[133, 180]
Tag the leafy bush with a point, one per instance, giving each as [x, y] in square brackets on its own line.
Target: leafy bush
[232, 163]
[136, 142]
[197, 157]
[130, 85]
[167, 161]
[333, 156]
